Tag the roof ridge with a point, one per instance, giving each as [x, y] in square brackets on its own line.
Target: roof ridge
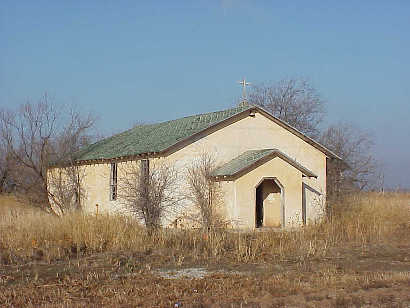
[169, 121]
[199, 114]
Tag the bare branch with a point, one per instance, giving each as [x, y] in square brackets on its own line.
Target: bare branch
[205, 194]
[148, 191]
[36, 134]
[294, 101]
[354, 147]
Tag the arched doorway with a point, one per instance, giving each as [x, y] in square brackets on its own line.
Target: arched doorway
[269, 204]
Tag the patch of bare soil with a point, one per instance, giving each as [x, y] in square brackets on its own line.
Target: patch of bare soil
[374, 276]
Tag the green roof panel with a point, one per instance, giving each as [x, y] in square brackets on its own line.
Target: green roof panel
[241, 162]
[154, 137]
[250, 158]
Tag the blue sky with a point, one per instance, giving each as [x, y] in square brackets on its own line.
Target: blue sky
[146, 61]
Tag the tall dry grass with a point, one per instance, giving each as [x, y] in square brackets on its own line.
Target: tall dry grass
[358, 220]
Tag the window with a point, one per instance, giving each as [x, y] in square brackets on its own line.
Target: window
[144, 169]
[113, 182]
[77, 191]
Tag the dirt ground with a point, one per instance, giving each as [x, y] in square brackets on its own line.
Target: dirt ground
[370, 276]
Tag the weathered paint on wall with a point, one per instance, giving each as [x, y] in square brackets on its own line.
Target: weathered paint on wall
[95, 181]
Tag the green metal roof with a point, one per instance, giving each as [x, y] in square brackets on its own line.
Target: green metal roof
[155, 137]
[241, 162]
[250, 158]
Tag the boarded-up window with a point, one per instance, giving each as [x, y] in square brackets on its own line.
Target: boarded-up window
[113, 182]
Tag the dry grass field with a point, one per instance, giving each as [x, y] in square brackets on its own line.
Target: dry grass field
[359, 258]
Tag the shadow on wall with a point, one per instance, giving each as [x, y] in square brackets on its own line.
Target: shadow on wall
[269, 204]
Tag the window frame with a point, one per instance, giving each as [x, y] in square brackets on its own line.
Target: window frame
[113, 181]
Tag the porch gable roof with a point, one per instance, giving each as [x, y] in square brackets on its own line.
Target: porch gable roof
[249, 159]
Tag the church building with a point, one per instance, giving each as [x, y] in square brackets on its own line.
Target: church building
[271, 174]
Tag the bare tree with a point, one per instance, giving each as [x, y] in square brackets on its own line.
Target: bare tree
[299, 104]
[294, 101]
[7, 169]
[148, 192]
[205, 193]
[359, 169]
[65, 187]
[37, 134]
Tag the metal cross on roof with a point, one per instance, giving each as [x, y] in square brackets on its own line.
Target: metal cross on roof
[244, 83]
